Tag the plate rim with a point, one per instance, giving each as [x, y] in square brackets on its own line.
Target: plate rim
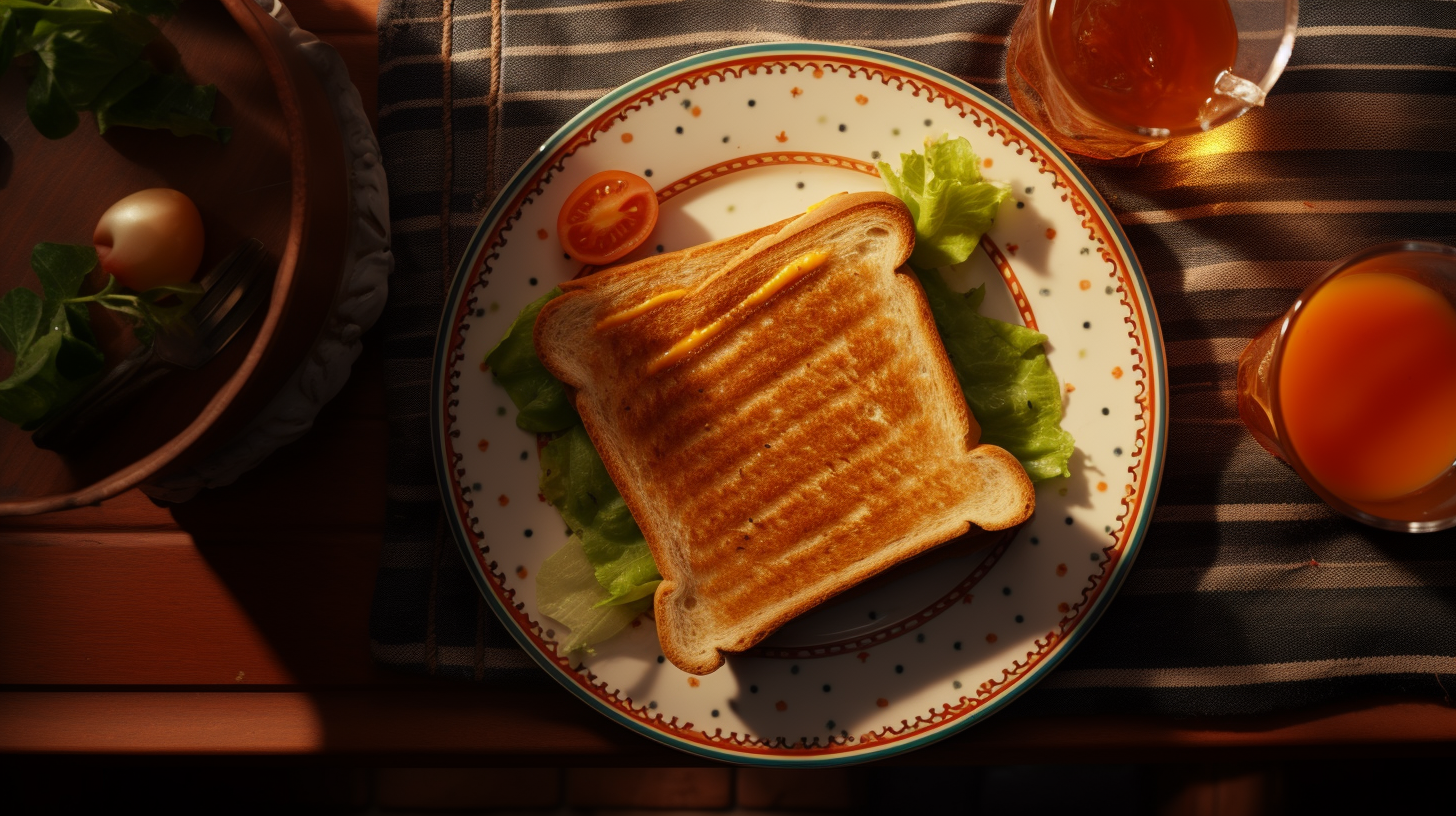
[1155, 433]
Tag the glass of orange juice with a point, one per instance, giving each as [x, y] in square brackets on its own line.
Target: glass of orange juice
[1355, 387]
[1113, 78]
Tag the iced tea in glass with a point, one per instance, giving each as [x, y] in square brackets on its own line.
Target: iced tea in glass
[1113, 78]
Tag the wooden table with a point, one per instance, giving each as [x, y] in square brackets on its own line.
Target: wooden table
[237, 624]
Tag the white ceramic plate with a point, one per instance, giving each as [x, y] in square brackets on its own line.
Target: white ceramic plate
[736, 139]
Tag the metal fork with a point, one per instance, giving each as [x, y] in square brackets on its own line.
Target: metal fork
[232, 291]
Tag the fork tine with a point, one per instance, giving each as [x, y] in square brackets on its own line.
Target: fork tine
[243, 280]
[236, 317]
[244, 261]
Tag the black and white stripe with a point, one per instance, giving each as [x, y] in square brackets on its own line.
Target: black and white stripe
[1250, 594]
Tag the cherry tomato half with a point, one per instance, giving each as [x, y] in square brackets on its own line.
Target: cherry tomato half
[609, 215]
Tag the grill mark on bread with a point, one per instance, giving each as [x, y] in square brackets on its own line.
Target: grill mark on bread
[682, 408]
[788, 541]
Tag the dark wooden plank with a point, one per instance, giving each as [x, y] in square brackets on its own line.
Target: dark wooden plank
[444, 724]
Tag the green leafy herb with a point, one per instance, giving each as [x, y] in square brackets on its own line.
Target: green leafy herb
[56, 356]
[540, 397]
[950, 202]
[88, 55]
[1003, 370]
[55, 353]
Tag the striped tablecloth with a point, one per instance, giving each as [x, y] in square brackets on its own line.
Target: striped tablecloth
[1249, 595]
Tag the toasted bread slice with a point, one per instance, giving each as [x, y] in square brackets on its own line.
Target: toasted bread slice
[780, 416]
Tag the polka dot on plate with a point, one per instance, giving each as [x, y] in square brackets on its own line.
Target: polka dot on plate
[1020, 619]
[826, 688]
[647, 172]
[714, 712]
[1106, 411]
[753, 689]
[652, 704]
[793, 669]
[752, 102]
[956, 645]
[782, 705]
[529, 533]
[920, 638]
[679, 130]
[899, 669]
[843, 128]
[829, 725]
[1005, 590]
[661, 659]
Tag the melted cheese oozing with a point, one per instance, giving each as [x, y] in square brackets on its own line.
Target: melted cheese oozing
[618, 318]
[816, 205]
[790, 273]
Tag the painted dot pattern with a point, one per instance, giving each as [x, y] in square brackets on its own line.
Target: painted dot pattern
[919, 637]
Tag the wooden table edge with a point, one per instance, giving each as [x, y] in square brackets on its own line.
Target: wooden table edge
[437, 725]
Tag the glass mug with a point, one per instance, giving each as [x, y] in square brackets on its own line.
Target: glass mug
[1114, 78]
[1355, 387]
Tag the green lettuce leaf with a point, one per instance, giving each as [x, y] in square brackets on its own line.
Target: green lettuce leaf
[576, 482]
[1003, 370]
[540, 397]
[567, 592]
[950, 202]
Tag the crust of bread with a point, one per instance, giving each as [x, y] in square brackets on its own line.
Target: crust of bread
[818, 440]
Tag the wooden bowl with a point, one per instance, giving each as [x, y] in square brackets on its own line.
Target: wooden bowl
[281, 179]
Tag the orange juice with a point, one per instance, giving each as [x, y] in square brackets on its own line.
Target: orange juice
[1146, 63]
[1367, 384]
